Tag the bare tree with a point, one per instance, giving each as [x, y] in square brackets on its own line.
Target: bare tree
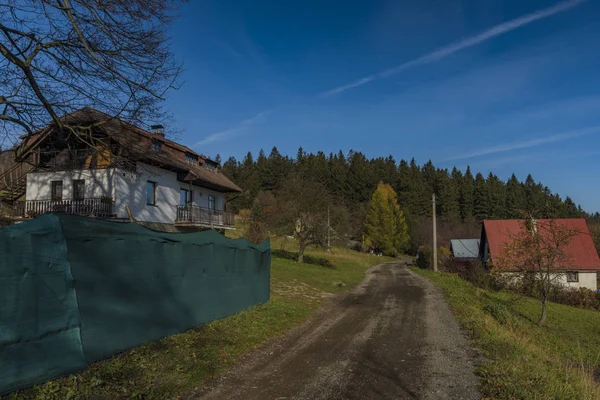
[539, 257]
[57, 56]
[303, 208]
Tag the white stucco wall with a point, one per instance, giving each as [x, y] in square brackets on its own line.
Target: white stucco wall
[98, 183]
[126, 188]
[586, 280]
[130, 189]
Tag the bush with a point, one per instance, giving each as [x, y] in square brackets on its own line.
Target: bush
[475, 273]
[424, 257]
[576, 297]
[293, 255]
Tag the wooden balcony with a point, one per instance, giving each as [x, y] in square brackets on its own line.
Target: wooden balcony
[66, 159]
[94, 207]
[204, 216]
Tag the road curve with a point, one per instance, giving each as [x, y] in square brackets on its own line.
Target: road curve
[392, 337]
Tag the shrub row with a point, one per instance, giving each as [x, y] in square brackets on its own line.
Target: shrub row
[293, 255]
[478, 276]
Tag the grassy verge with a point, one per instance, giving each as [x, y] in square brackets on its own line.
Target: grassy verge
[525, 361]
[172, 366]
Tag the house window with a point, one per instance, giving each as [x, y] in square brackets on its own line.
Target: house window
[78, 189]
[56, 190]
[156, 146]
[191, 158]
[211, 165]
[572, 276]
[151, 193]
[212, 204]
[185, 197]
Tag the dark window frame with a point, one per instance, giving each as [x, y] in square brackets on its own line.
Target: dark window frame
[54, 195]
[189, 196]
[191, 158]
[573, 276]
[156, 146]
[212, 199]
[211, 165]
[154, 185]
[76, 194]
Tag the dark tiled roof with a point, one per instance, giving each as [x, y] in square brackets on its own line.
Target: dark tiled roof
[138, 140]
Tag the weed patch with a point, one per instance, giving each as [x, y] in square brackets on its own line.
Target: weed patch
[526, 361]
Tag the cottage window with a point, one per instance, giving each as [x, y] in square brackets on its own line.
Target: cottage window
[191, 158]
[56, 190]
[210, 165]
[78, 189]
[156, 146]
[572, 276]
[151, 193]
[212, 204]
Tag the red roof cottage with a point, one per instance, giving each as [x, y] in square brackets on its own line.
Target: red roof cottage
[583, 264]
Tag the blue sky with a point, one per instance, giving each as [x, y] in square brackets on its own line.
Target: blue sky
[503, 86]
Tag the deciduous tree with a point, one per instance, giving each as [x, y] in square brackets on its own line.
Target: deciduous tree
[303, 205]
[59, 56]
[538, 256]
[385, 228]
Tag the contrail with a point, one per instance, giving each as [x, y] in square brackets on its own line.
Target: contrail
[237, 129]
[527, 144]
[446, 51]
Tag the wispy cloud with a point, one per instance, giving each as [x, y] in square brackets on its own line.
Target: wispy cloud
[526, 144]
[446, 51]
[237, 130]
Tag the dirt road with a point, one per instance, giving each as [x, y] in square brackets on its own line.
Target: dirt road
[392, 337]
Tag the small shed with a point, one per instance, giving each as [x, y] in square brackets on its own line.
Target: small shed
[466, 250]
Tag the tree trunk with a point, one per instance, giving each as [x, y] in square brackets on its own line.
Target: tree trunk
[543, 317]
[301, 251]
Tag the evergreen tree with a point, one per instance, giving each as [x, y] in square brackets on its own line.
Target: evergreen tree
[403, 187]
[338, 176]
[515, 198]
[497, 197]
[534, 203]
[385, 228]
[359, 183]
[449, 197]
[571, 209]
[480, 198]
[467, 193]
[274, 170]
[420, 197]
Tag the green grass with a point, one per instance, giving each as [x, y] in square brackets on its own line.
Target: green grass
[524, 360]
[170, 367]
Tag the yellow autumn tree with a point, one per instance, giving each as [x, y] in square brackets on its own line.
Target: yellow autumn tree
[385, 227]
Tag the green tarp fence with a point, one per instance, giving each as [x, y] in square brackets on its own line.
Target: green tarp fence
[75, 290]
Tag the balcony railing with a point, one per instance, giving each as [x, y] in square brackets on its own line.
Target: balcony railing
[95, 207]
[191, 214]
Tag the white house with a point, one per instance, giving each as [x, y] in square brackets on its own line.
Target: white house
[580, 267]
[127, 170]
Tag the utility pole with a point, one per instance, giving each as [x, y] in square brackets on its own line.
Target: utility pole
[435, 263]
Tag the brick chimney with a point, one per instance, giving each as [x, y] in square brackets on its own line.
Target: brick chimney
[158, 130]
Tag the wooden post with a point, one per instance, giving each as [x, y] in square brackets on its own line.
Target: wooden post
[435, 258]
[131, 219]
